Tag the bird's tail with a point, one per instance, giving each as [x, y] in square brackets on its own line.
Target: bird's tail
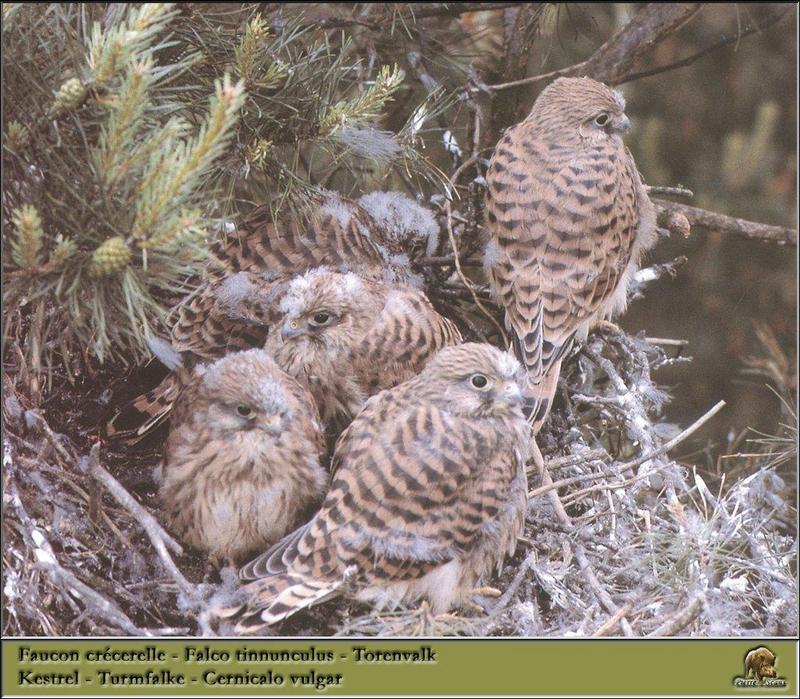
[539, 394]
[275, 598]
[146, 412]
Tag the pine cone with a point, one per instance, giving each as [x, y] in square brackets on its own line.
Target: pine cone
[112, 256]
[69, 95]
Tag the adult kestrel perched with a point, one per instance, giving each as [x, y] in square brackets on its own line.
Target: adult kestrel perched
[376, 238]
[347, 338]
[568, 217]
[242, 460]
[429, 494]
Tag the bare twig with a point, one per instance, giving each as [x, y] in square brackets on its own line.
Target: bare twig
[508, 594]
[615, 59]
[666, 341]
[158, 537]
[663, 449]
[573, 459]
[580, 554]
[599, 590]
[612, 63]
[47, 561]
[41, 424]
[677, 439]
[626, 48]
[570, 70]
[728, 225]
[678, 191]
[681, 619]
[651, 274]
[727, 41]
[466, 282]
[379, 24]
[515, 63]
[454, 9]
[612, 622]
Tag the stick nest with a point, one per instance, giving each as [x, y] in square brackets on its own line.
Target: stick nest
[620, 538]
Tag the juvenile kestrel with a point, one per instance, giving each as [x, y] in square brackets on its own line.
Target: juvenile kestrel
[347, 338]
[568, 218]
[377, 238]
[428, 496]
[242, 460]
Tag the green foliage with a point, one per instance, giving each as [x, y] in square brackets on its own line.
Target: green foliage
[367, 106]
[131, 131]
[26, 248]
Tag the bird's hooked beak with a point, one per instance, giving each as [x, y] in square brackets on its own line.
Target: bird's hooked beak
[272, 424]
[292, 328]
[622, 124]
[510, 392]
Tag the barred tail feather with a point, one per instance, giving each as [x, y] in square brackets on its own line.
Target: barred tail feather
[276, 599]
[539, 396]
[145, 413]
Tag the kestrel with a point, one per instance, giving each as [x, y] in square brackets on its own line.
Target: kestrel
[347, 338]
[429, 494]
[242, 460]
[568, 218]
[377, 238]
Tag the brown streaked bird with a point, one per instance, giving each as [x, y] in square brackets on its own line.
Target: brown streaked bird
[347, 338]
[428, 496]
[569, 218]
[242, 460]
[235, 305]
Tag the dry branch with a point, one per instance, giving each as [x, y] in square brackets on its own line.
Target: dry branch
[613, 621]
[47, 561]
[649, 456]
[727, 41]
[681, 619]
[515, 63]
[597, 542]
[423, 11]
[728, 225]
[615, 60]
[654, 272]
[625, 49]
[158, 537]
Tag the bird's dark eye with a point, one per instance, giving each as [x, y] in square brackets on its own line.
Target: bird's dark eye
[479, 381]
[245, 411]
[321, 318]
[601, 119]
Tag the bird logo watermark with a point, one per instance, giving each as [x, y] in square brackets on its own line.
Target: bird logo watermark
[759, 670]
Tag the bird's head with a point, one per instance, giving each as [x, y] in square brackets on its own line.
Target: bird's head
[245, 392]
[322, 314]
[580, 108]
[477, 380]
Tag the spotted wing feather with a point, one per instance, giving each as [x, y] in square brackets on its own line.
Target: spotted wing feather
[563, 223]
[416, 489]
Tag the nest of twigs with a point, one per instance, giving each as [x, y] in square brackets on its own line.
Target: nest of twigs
[620, 538]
